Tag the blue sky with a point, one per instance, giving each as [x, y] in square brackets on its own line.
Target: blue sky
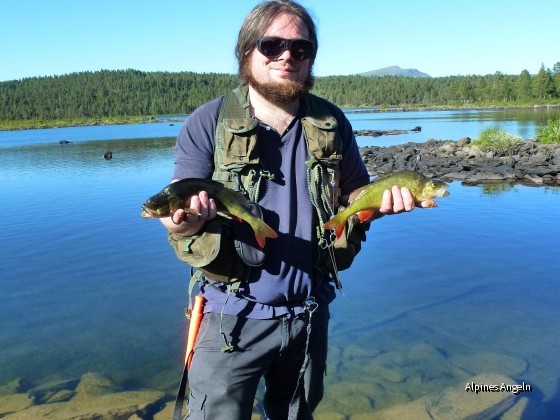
[441, 38]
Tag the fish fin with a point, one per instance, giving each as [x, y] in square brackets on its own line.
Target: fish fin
[365, 215]
[337, 223]
[188, 210]
[339, 231]
[263, 231]
[331, 224]
[429, 203]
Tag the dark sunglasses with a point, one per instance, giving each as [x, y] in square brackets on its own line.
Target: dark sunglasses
[274, 47]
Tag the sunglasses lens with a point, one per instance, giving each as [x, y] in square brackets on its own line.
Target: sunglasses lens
[300, 49]
[273, 47]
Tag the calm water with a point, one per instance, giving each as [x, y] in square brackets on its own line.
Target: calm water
[436, 296]
[449, 125]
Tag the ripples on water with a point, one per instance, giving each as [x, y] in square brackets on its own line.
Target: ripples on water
[435, 297]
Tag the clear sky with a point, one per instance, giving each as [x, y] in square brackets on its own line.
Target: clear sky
[438, 37]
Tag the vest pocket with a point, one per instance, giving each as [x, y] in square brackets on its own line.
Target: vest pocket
[240, 141]
[211, 252]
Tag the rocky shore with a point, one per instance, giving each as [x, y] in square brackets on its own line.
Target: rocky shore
[531, 163]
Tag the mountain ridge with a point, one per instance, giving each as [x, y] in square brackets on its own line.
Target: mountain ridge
[394, 71]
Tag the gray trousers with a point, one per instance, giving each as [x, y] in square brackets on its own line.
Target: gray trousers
[223, 385]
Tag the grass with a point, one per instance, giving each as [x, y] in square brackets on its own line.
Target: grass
[550, 133]
[497, 141]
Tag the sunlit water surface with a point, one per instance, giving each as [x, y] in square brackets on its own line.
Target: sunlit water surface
[436, 296]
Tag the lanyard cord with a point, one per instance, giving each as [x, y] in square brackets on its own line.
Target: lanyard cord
[332, 237]
[310, 306]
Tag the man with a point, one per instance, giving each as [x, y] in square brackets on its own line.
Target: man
[264, 321]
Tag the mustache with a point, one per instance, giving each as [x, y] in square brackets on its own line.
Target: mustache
[289, 68]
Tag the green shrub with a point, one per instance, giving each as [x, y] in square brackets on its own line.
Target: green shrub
[550, 133]
[498, 141]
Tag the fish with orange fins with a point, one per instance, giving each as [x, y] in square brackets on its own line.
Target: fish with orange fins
[365, 200]
[228, 202]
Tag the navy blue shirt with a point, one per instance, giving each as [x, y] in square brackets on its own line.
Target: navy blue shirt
[288, 276]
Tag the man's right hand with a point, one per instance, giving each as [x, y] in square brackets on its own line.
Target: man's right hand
[202, 208]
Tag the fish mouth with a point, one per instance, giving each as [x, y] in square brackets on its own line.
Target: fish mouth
[442, 191]
[146, 213]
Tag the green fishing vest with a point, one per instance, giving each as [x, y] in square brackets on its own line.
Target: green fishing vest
[237, 164]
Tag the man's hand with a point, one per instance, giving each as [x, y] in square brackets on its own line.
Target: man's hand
[200, 209]
[398, 200]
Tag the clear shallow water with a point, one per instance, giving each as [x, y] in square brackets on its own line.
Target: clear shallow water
[436, 296]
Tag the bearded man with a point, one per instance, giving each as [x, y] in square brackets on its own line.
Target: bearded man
[273, 324]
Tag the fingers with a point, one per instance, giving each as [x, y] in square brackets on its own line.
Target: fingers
[396, 200]
[407, 199]
[200, 208]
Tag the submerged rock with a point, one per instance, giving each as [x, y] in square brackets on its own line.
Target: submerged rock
[120, 405]
[514, 366]
[453, 403]
[95, 397]
[94, 384]
[16, 386]
[14, 403]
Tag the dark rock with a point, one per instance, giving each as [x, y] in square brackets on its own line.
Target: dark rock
[377, 133]
[531, 162]
[464, 142]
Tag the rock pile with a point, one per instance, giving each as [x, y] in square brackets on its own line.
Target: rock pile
[531, 162]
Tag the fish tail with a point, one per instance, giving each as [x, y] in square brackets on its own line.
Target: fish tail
[262, 231]
[337, 223]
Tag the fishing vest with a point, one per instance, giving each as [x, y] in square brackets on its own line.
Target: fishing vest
[237, 164]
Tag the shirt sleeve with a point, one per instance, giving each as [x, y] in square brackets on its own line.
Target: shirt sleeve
[194, 150]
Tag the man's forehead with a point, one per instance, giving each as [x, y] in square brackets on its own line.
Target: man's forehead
[287, 23]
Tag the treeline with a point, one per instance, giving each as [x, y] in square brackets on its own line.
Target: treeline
[102, 94]
[108, 93]
[497, 89]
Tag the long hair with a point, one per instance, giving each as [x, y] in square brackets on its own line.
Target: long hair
[260, 18]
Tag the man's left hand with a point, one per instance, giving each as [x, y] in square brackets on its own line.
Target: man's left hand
[398, 200]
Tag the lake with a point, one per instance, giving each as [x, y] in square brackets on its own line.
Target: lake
[435, 298]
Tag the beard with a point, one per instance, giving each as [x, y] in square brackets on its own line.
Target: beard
[278, 93]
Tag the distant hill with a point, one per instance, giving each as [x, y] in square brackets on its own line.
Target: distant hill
[395, 71]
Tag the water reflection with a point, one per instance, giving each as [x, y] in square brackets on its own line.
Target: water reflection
[85, 157]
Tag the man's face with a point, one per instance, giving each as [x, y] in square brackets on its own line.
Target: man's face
[282, 75]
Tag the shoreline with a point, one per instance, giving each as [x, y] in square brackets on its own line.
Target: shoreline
[147, 119]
